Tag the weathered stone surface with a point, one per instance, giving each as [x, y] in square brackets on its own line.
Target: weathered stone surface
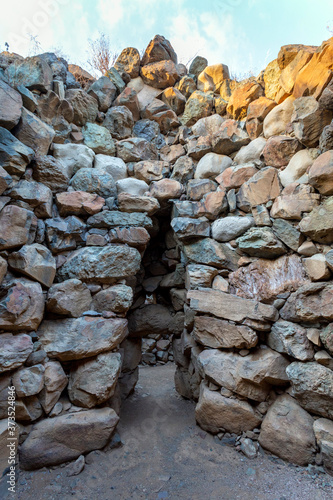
[323, 429]
[113, 166]
[199, 276]
[29, 381]
[290, 338]
[271, 78]
[69, 298]
[50, 172]
[215, 413]
[38, 196]
[287, 233]
[165, 189]
[235, 177]
[198, 105]
[117, 298]
[159, 49]
[231, 307]
[172, 153]
[55, 381]
[294, 200]
[261, 242]
[101, 264]
[287, 431]
[11, 106]
[64, 438]
[129, 99]
[154, 318]
[259, 189]
[136, 149]
[114, 219]
[14, 155]
[28, 409]
[296, 170]
[36, 262]
[277, 120]
[266, 279]
[309, 303]
[129, 62]
[78, 203]
[64, 234]
[149, 170]
[32, 72]
[326, 336]
[197, 188]
[174, 99]
[329, 259]
[119, 121]
[104, 91]
[73, 157]
[198, 64]
[160, 75]
[250, 377]
[116, 78]
[93, 180]
[211, 78]
[211, 165]
[318, 225]
[312, 386]
[321, 173]
[209, 252]
[279, 150]
[71, 339]
[315, 76]
[316, 267]
[228, 228]
[98, 139]
[241, 97]
[21, 305]
[220, 334]
[84, 105]
[3, 269]
[14, 351]
[132, 186]
[256, 113]
[186, 228]
[183, 169]
[251, 152]
[288, 53]
[230, 138]
[308, 120]
[290, 72]
[94, 381]
[135, 203]
[34, 133]
[15, 223]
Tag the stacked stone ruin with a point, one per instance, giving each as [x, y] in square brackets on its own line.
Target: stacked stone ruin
[177, 214]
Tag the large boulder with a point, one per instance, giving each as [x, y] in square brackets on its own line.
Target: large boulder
[296, 170]
[318, 225]
[98, 139]
[209, 252]
[287, 431]
[211, 165]
[14, 155]
[73, 157]
[32, 72]
[11, 106]
[241, 97]
[321, 173]
[36, 195]
[266, 279]
[104, 91]
[160, 75]
[51, 172]
[93, 180]
[128, 61]
[101, 264]
[198, 105]
[261, 242]
[21, 305]
[278, 118]
[65, 438]
[93, 382]
[259, 189]
[279, 150]
[308, 120]
[15, 224]
[312, 386]
[250, 376]
[34, 261]
[34, 133]
[159, 49]
[211, 78]
[294, 200]
[154, 318]
[84, 105]
[14, 351]
[289, 338]
[78, 203]
[119, 121]
[71, 339]
[69, 298]
[220, 334]
[215, 413]
[55, 381]
[310, 303]
[228, 228]
[230, 138]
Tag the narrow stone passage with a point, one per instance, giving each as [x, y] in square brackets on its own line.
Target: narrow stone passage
[165, 455]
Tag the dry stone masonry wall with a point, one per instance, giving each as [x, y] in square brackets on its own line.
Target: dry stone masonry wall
[173, 212]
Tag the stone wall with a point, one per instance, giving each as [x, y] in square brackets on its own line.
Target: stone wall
[178, 209]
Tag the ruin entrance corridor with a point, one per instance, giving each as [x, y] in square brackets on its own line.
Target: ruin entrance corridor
[166, 456]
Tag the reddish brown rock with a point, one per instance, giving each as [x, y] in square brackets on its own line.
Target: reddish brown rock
[308, 120]
[235, 177]
[129, 99]
[134, 203]
[288, 53]
[160, 74]
[294, 200]
[266, 279]
[137, 237]
[129, 62]
[318, 225]
[34, 261]
[259, 189]
[309, 304]
[256, 113]
[174, 99]
[33, 132]
[220, 334]
[241, 97]
[14, 350]
[15, 223]
[230, 138]
[166, 189]
[279, 150]
[321, 173]
[160, 112]
[11, 106]
[78, 203]
[211, 78]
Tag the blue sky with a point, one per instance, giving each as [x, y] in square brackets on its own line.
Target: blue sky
[244, 34]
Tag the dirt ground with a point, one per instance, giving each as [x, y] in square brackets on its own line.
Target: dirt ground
[166, 456]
